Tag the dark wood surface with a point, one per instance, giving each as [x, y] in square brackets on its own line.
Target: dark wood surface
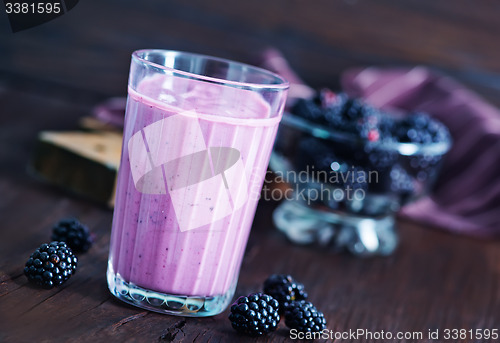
[89, 48]
[52, 75]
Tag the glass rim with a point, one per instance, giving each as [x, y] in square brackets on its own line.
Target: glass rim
[282, 83]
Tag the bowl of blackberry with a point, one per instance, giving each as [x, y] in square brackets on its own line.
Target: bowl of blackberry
[350, 168]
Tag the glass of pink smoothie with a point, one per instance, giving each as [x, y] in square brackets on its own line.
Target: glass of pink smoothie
[196, 144]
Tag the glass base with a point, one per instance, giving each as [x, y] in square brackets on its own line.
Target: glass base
[179, 305]
[360, 235]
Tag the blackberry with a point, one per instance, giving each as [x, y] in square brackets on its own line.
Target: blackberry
[304, 317]
[74, 233]
[314, 153]
[421, 129]
[401, 182]
[308, 109]
[285, 289]
[353, 109]
[341, 112]
[51, 265]
[354, 178]
[357, 117]
[255, 314]
[327, 98]
[381, 159]
[386, 127]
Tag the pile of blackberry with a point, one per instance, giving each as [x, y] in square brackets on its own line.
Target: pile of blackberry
[374, 131]
[342, 113]
[313, 152]
[352, 116]
[259, 313]
[52, 264]
[421, 129]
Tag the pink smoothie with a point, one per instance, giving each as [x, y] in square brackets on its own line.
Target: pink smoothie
[191, 172]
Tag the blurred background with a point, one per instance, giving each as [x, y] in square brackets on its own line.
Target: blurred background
[88, 49]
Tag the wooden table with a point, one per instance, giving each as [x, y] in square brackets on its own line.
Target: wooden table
[434, 281]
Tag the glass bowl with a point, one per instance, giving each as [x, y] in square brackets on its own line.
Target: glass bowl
[343, 191]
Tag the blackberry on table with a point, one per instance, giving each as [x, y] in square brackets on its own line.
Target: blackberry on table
[74, 233]
[51, 265]
[304, 317]
[255, 314]
[285, 289]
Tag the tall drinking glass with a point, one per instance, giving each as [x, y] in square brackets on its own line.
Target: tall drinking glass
[196, 144]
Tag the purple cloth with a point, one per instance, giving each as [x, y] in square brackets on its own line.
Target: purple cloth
[273, 60]
[466, 197]
[111, 111]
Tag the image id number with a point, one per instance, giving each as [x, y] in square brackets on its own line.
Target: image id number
[25, 8]
[470, 334]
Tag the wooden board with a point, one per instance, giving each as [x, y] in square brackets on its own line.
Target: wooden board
[85, 163]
